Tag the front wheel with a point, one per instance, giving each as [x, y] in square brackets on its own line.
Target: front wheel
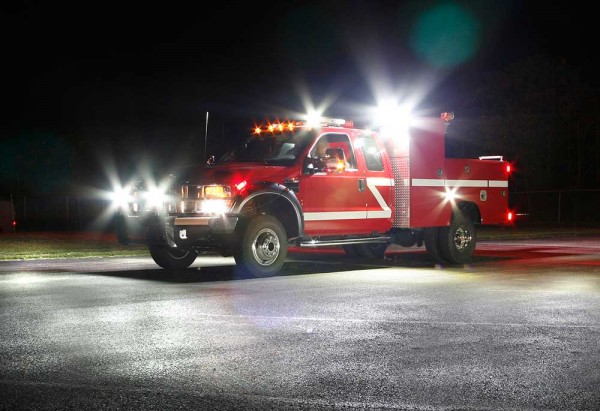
[457, 241]
[172, 258]
[263, 247]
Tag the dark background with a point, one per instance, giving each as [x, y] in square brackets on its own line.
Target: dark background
[94, 92]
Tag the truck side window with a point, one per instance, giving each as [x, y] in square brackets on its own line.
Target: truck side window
[335, 146]
[371, 153]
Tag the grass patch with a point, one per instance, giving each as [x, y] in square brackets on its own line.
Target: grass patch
[41, 245]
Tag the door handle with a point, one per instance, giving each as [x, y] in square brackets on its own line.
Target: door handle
[361, 184]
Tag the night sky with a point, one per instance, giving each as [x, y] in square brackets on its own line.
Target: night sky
[134, 77]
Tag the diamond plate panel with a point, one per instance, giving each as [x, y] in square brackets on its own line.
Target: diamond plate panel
[401, 171]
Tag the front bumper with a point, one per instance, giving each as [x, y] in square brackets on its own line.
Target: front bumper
[181, 231]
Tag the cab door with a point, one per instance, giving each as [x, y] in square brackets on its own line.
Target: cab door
[334, 198]
[378, 180]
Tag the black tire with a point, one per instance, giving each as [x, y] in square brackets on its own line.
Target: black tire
[458, 241]
[263, 247]
[372, 251]
[431, 236]
[172, 258]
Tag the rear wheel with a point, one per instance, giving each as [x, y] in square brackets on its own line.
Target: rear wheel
[263, 247]
[457, 241]
[171, 258]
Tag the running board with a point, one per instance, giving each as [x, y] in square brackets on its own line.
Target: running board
[344, 241]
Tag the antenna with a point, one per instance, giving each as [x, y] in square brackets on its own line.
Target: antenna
[206, 135]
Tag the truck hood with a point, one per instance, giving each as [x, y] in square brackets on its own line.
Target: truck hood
[233, 173]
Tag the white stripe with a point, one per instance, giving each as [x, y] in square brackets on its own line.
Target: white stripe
[498, 183]
[335, 215]
[379, 214]
[427, 182]
[432, 182]
[372, 183]
[380, 181]
[466, 183]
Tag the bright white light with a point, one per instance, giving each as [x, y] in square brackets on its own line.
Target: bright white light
[215, 206]
[120, 197]
[313, 118]
[450, 194]
[155, 197]
[394, 122]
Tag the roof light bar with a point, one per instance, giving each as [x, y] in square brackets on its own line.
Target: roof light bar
[292, 124]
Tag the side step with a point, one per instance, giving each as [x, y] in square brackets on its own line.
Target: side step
[343, 241]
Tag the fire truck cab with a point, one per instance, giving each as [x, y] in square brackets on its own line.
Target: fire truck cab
[329, 184]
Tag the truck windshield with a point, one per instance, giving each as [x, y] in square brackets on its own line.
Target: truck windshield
[280, 149]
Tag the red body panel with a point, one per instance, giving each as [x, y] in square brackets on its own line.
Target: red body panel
[411, 191]
[352, 201]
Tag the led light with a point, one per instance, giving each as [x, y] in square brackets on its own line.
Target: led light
[241, 185]
[508, 168]
[509, 216]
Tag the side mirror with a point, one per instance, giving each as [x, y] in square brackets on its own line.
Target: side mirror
[309, 166]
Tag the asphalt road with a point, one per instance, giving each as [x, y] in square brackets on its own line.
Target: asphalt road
[519, 328]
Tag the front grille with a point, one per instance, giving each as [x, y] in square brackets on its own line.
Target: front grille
[191, 191]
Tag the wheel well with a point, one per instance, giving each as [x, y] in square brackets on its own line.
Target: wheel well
[277, 206]
[470, 211]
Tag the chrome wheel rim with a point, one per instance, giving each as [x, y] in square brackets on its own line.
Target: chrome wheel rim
[462, 239]
[265, 247]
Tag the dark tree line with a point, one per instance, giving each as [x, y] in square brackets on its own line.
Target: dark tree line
[540, 115]
[537, 113]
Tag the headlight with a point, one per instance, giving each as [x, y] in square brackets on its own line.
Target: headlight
[208, 199]
[215, 206]
[155, 197]
[121, 197]
[139, 196]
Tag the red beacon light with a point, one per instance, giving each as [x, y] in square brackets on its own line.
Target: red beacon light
[447, 116]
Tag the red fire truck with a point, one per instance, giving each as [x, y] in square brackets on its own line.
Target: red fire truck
[297, 184]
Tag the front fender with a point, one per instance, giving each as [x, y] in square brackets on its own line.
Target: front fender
[275, 199]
